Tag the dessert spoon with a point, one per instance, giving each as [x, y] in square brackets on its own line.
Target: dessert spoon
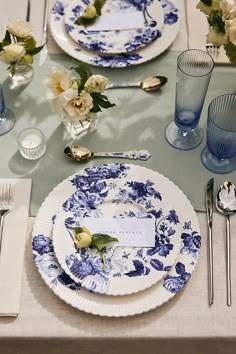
[226, 204]
[151, 83]
[80, 153]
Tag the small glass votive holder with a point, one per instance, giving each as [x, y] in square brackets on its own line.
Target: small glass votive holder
[31, 143]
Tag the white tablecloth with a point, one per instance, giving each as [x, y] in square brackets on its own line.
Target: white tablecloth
[184, 325]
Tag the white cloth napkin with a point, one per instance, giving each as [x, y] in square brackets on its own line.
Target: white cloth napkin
[197, 31]
[13, 247]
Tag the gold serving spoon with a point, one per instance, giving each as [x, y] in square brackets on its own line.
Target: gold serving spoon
[151, 83]
[80, 153]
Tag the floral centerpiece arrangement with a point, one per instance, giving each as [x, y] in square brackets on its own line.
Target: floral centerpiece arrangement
[78, 99]
[221, 16]
[18, 46]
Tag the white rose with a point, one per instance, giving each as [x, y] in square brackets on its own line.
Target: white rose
[96, 83]
[12, 53]
[83, 239]
[79, 106]
[230, 29]
[60, 101]
[228, 8]
[60, 81]
[19, 28]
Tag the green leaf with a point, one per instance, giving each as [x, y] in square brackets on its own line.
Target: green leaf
[207, 2]
[84, 72]
[230, 51]
[100, 240]
[6, 40]
[215, 20]
[100, 100]
[85, 21]
[77, 230]
[98, 4]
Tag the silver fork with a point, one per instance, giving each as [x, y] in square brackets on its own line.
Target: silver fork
[6, 205]
[213, 50]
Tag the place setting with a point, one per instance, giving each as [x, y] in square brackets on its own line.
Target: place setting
[116, 280]
[124, 34]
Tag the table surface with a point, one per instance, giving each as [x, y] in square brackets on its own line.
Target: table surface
[186, 324]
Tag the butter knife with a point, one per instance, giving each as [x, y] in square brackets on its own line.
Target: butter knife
[44, 51]
[209, 209]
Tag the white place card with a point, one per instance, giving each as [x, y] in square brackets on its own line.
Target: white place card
[119, 21]
[131, 232]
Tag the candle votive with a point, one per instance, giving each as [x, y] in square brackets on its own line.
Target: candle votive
[31, 143]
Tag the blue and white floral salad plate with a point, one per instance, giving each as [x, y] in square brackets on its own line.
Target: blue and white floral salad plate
[116, 41]
[169, 31]
[117, 191]
[116, 306]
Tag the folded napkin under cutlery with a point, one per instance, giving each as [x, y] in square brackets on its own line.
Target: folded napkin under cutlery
[13, 247]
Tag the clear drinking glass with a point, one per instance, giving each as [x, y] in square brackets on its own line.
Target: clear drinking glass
[7, 117]
[194, 68]
[219, 155]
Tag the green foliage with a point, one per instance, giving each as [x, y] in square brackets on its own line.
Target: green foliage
[215, 20]
[98, 4]
[230, 50]
[207, 2]
[100, 100]
[84, 72]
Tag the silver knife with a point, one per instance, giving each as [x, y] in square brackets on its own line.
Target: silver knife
[28, 11]
[44, 51]
[209, 209]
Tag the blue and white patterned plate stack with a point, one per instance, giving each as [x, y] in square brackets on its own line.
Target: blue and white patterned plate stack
[151, 276]
[115, 48]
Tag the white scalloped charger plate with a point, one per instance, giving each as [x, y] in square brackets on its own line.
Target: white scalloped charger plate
[116, 41]
[152, 50]
[116, 306]
[125, 194]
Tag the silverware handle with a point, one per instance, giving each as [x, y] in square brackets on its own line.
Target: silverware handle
[133, 154]
[28, 11]
[210, 268]
[122, 84]
[228, 263]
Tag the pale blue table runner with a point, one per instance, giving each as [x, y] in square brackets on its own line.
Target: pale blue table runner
[137, 122]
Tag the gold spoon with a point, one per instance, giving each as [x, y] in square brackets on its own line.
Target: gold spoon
[151, 83]
[80, 153]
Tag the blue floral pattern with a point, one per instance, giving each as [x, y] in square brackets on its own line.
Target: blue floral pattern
[116, 41]
[135, 49]
[114, 184]
[68, 290]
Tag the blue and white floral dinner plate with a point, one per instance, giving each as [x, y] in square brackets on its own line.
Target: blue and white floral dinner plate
[139, 56]
[117, 191]
[116, 306]
[116, 41]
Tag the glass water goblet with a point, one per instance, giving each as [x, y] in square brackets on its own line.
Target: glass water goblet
[194, 69]
[7, 117]
[219, 155]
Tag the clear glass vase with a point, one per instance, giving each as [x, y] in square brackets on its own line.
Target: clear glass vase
[77, 127]
[21, 73]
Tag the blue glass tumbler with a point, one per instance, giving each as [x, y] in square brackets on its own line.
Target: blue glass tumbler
[7, 117]
[194, 69]
[219, 155]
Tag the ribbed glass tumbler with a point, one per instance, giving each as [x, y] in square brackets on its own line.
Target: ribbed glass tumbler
[194, 69]
[219, 155]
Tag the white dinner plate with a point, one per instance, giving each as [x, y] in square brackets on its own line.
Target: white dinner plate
[116, 306]
[116, 41]
[152, 50]
[121, 193]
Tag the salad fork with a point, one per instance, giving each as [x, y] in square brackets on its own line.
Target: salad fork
[6, 205]
[212, 49]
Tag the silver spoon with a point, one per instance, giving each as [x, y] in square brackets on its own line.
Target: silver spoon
[151, 83]
[80, 153]
[226, 204]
